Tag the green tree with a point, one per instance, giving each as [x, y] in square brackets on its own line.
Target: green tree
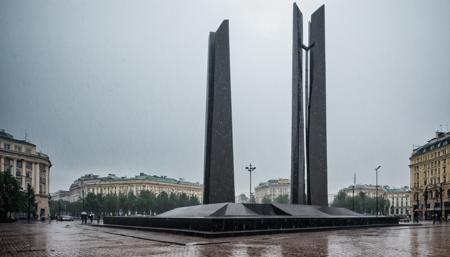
[12, 199]
[363, 203]
[145, 202]
[110, 204]
[183, 200]
[267, 199]
[282, 199]
[30, 203]
[121, 203]
[130, 204]
[90, 202]
[193, 200]
[162, 203]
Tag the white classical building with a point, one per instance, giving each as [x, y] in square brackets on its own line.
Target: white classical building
[399, 200]
[112, 184]
[272, 189]
[30, 167]
[367, 190]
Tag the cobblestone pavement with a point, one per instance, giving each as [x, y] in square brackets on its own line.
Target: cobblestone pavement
[73, 239]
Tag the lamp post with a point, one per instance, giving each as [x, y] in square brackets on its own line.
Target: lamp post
[425, 200]
[250, 168]
[82, 194]
[440, 198]
[29, 201]
[416, 213]
[353, 193]
[376, 188]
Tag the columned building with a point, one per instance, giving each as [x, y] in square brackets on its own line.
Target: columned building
[429, 176]
[399, 200]
[272, 189]
[367, 190]
[113, 184]
[28, 166]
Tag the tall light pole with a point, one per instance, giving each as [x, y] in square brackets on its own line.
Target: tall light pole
[250, 168]
[353, 194]
[82, 193]
[441, 203]
[376, 188]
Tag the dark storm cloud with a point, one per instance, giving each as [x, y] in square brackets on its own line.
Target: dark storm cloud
[119, 86]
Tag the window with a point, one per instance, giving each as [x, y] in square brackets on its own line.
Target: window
[19, 164]
[7, 146]
[29, 165]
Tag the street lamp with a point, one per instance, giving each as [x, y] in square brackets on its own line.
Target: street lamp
[440, 198]
[416, 213]
[376, 188]
[425, 200]
[353, 193]
[250, 168]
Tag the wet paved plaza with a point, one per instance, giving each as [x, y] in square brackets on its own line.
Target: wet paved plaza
[73, 239]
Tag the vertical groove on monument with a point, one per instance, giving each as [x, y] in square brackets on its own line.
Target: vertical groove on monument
[297, 144]
[218, 166]
[317, 159]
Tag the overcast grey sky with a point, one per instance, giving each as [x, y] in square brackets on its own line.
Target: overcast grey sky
[120, 86]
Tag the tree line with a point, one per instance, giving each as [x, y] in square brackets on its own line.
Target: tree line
[363, 204]
[13, 200]
[145, 203]
[278, 199]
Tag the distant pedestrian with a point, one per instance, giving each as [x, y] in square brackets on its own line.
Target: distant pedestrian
[98, 219]
[83, 217]
[91, 217]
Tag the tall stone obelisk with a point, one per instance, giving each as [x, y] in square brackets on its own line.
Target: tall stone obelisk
[309, 131]
[219, 165]
[298, 121]
[317, 118]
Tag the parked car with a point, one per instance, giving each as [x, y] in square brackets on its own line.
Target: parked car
[403, 218]
[65, 218]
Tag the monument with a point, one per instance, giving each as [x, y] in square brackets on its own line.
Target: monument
[309, 135]
[219, 216]
[219, 167]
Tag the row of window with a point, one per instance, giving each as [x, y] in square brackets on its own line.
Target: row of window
[17, 148]
[434, 194]
[430, 156]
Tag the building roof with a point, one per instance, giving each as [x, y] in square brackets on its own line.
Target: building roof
[404, 189]
[442, 139]
[274, 182]
[385, 188]
[141, 176]
[8, 136]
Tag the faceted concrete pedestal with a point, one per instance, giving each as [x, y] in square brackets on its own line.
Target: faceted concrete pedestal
[230, 219]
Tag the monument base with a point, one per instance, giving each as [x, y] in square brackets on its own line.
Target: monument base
[230, 219]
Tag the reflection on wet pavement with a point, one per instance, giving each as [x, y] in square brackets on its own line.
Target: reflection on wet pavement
[73, 239]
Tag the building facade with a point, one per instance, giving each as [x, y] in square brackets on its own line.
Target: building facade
[429, 177]
[112, 184]
[272, 189]
[368, 190]
[29, 166]
[399, 200]
[62, 195]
